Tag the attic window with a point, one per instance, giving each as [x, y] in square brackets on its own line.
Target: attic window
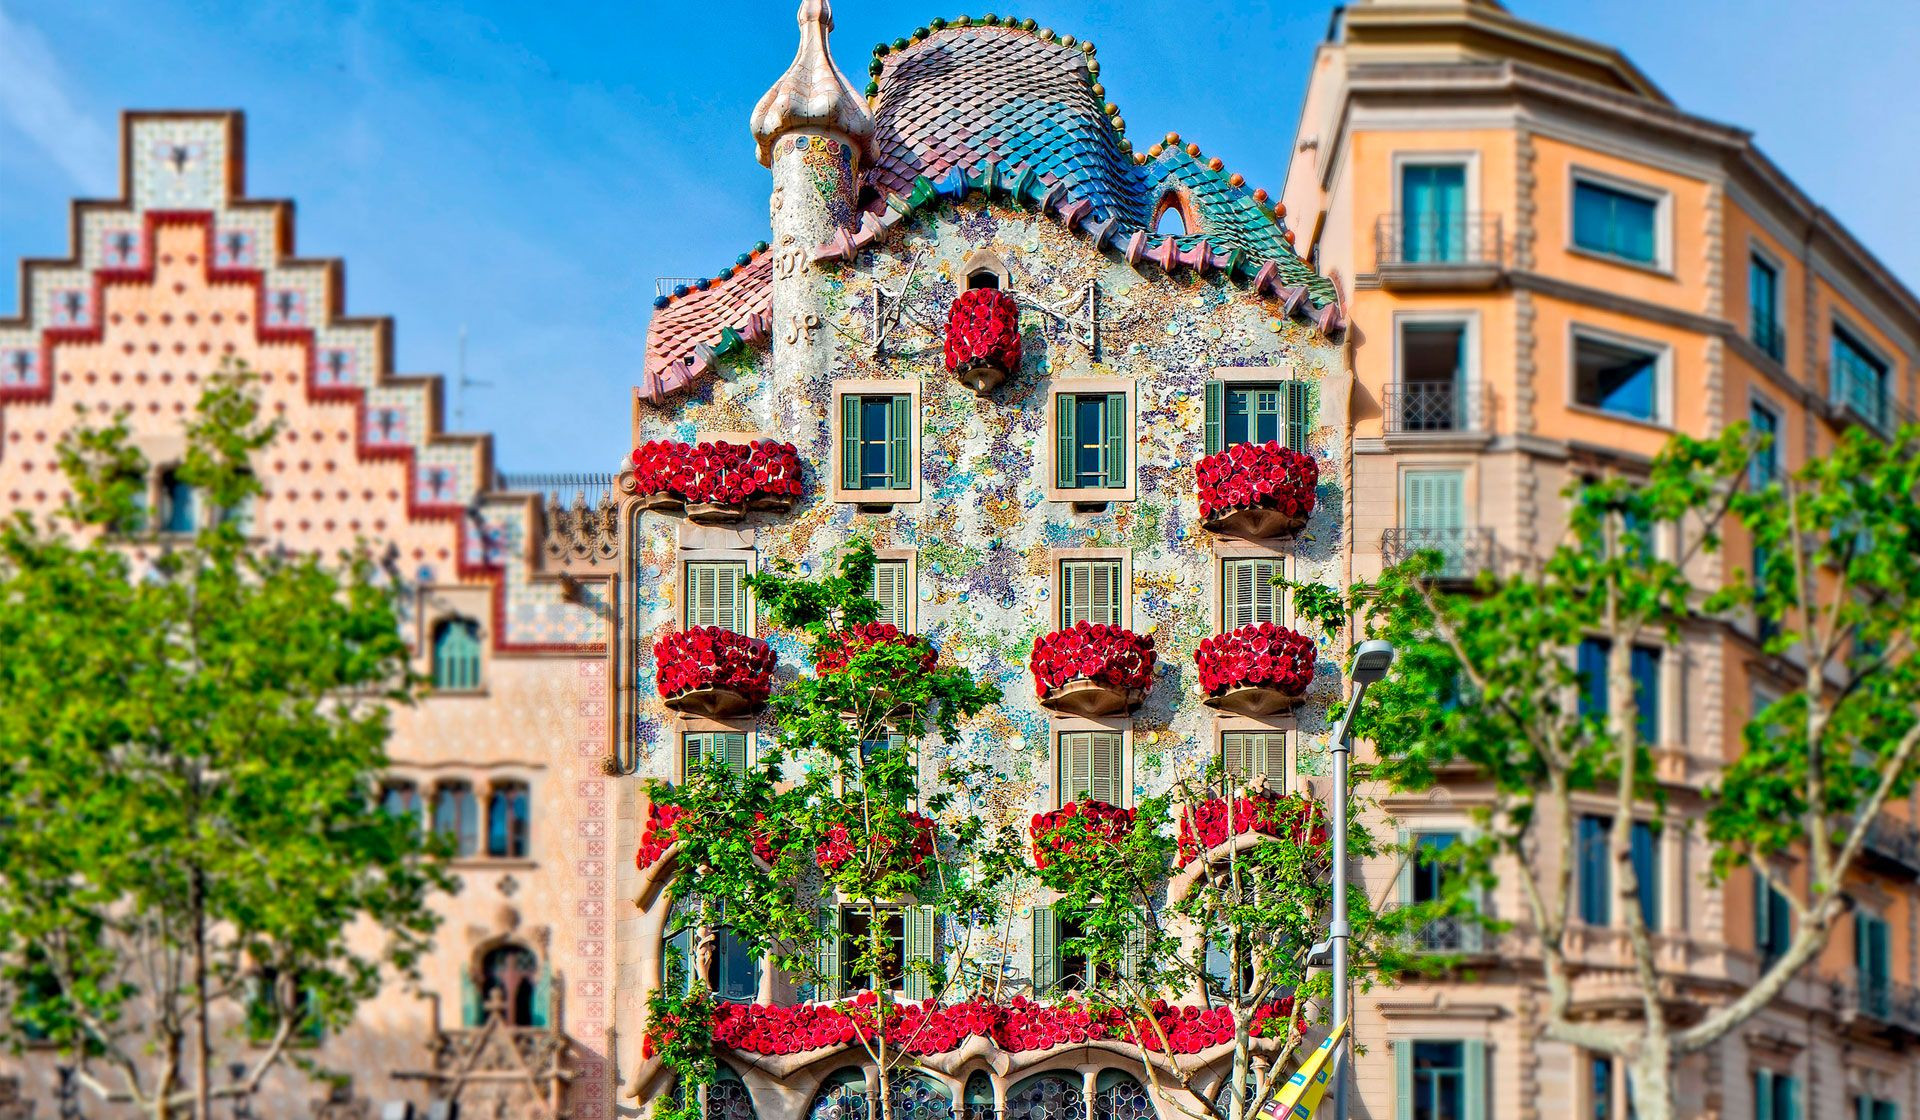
[985, 269]
[983, 279]
[1170, 216]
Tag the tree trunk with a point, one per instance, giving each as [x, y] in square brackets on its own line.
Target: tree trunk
[203, 1039]
[1650, 1074]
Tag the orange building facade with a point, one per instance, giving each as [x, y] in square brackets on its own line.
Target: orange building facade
[1550, 269]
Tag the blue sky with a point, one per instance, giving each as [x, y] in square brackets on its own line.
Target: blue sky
[528, 169]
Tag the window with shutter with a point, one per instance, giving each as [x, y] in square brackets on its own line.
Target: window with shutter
[921, 945]
[876, 442]
[1248, 593]
[890, 590]
[729, 746]
[1091, 434]
[1045, 946]
[1440, 1079]
[1090, 592]
[1298, 395]
[1435, 500]
[1091, 764]
[717, 594]
[826, 953]
[1245, 755]
[456, 654]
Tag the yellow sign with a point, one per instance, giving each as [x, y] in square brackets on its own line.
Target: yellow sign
[1297, 1099]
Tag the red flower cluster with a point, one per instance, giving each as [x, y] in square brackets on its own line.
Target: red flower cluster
[1015, 1027]
[1261, 654]
[841, 647]
[1212, 823]
[1258, 474]
[983, 328]
[709, 657]
[1106, 824]
[1108, 655]
[717, 471]
[837, 848]
[658, 834]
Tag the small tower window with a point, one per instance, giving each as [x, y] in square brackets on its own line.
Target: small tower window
[983, 268]
[456, 654]
[1170, 216]
[983, 279]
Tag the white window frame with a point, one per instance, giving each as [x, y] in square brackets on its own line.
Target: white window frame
[1444, 157]
[1075, 725]
[688, 556]
[911, 558]
[1661, 197]
[1661, 352]
[1056, 594]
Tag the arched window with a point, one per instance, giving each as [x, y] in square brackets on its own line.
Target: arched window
[983, 268]
[919, 1097]
[977, 1101]
[735, 974]
[507, 821]
[1117, 1095]
[727, 1097]
[512, 972]
[179, 504]
[457, 814]
[842, 1096]
[400, 799]
[456, 654]
[1048, 1096]
[983, 279]
[1170, 216]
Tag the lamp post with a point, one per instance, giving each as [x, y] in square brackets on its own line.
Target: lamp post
[1370, 663]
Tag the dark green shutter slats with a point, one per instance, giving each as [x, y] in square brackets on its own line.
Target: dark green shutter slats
[850, 443]
[1473, 1080]
[1046, 950]
[1116, 457]
[1064, 460]
[1216, 398]
[920, 949]
[1299, 417]
[826, 957]
[900, 443]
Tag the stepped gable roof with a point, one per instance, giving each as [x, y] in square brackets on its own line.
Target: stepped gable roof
[1002, 107]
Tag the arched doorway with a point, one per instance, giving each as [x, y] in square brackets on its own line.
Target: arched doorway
[513, 972]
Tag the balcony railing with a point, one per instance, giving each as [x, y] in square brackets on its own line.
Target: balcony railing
[1884, 1001]
[1863, 390]
[1770, 337]
[1449, 935]
[1894, 841]
[562, 487]
[1438, 241]
[1423, 407]
[1465, 553]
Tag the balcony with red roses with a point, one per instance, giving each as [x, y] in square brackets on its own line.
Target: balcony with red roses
[1067, 831]
[1257, 670]
[983, 339]
[707, 671]
[715, 482]
[837, 847]
[840, 648]
[1092, 669]
[1208, 827]
[1257, 491]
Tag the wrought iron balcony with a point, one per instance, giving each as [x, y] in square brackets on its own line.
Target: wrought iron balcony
[1465, 553]
[1434, 408]
[1894, 843]
[1880, 1001]
[1865, 391]
[1450, 935]
[1438, 249]
[1770, 337]
[587, 487]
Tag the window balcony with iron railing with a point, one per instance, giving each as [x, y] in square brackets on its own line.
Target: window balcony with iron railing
[1858, 387]
[1439, 249]
[1767, 334]
[1894, 843]
[1464, 553]
[1435, 408]
[1449, 936]
[1880, 1001]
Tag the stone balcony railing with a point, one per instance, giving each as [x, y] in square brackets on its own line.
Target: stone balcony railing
[1877, 1003]
[1464, 553]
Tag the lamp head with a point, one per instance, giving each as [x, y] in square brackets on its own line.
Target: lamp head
[1372, 660]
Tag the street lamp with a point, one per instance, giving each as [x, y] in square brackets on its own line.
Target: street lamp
[1370, 663]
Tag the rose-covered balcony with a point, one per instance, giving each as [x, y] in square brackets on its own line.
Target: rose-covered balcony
[1060, 833]
[1257, 491]
[1092, 669]
[716, 483]
[983, 339]
[1211, 828]
[1257, 670]
[707, 671]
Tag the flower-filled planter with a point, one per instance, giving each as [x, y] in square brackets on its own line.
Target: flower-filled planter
[834, 654]
[836, 849]
[659, 834]
[707, 671]
[1257, 491]
[1213, 822]
[983, 338]
[716, 482]
[1092, 669]
[1256, 670]
[1105, 824]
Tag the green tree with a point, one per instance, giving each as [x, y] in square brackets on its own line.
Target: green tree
[194, 844]
[844, 815]
[1836, 597]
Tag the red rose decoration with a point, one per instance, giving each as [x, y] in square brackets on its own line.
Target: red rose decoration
[834, 851]
[1104, 823]
[1211, 823]
[763, 472]
[1107, 655]
[983, 329]
[839, 649]
[709, 657]
[1265, 475]
[659, 834]
[1262, 655]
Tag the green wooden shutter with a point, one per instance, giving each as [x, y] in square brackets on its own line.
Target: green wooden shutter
[1234, 749]
[1238, 586]
[1104, 766]
[542, 996]
[1272, 759]
[730, 597]
[735, 745]
[1762, 912]
[1216, 406]
[1473, 1082]
[1074, 592]
[1103, 592]
[702, 605]
[1075, 765]
[826, 955]
[1115, 472]
[694, 748]
[900, 443]
[919, 922]
[1404, 883]
[1046, 950]
[850, 443]
[890, 591]
[1473, 933]
[1064, 475]
[1763, 1095]
[1791, 1106]
[1133, 952]
[1403, 1079]
[1299, 416]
